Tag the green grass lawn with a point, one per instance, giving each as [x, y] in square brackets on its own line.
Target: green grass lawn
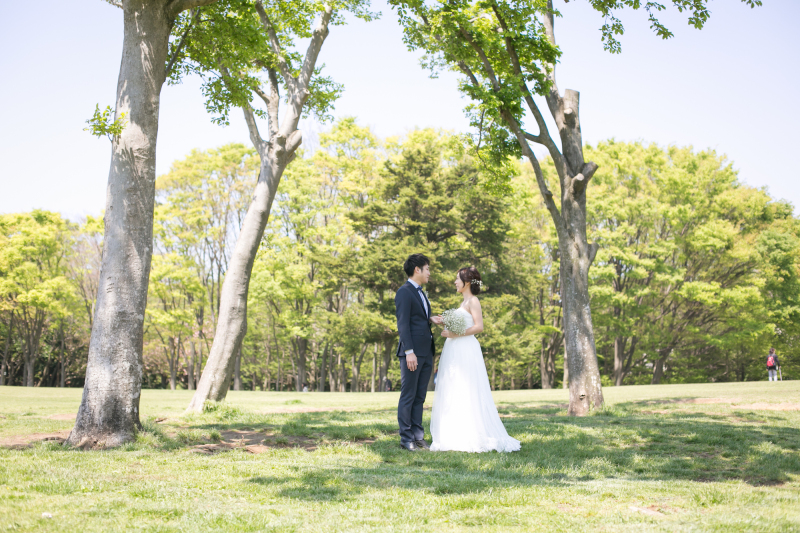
[672, 457]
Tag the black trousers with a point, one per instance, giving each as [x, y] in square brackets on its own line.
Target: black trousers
[413, 389]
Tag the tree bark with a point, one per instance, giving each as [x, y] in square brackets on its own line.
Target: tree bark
[30, 362]
[301, 348]
[388, 352]
[237, 370]
[190, 359]
[322, 375]
[623, 358]
[658, 370]
[342, 379]
[109, 411]
[170, 351]
[266, 368]
[576, 254]
[279, 380]
[357, 369]
[62, 364]
[276, 153]
[198, 366]
[6, 351]
[374, 369]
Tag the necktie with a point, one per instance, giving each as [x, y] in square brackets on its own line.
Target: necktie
[424, 303]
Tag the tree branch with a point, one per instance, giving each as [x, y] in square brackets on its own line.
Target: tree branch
[547, 196]
[249, 117]
[544, 137]
[580, 181]
[283, 65]
[317, 38]
[115, 3]
[553, 97]
[177, 51]
[466, 70]
[175, 7]
[531, 137]
[255, 137]
[300, 94]
[487, 65]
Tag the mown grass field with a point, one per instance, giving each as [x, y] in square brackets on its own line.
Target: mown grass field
[722, 457]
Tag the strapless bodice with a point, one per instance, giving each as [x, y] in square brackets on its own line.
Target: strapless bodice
[467, 317]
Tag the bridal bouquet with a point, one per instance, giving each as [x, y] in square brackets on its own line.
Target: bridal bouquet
[454, 321]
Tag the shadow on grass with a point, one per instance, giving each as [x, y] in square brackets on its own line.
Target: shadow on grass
[618, 442]
[562, 450]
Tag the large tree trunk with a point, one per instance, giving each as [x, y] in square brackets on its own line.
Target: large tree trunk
[62, 364]
[623, 358]
[374, 369]
[658, 370]
[300, 374]
[28, 370]
[388, 353]
[237, 370]
[619, 360]
[342, 379]
[232, 325]
[171, 359]
[109, 411]
[322, 376]
[276, 153]
[357, 369]
[576, 254]
[191, 360]
[6, 353]
[547, 358]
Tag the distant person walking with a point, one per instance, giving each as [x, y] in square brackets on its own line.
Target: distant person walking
[772, 365]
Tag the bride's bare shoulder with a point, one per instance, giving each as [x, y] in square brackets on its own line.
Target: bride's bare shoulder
[474, 303]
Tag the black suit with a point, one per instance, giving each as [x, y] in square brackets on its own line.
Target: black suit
[414, 327]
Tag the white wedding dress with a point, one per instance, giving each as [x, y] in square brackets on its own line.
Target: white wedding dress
[464, 416]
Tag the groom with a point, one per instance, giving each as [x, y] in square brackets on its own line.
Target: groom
[416, 350]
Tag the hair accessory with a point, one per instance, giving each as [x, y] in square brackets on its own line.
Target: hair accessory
[477, 282]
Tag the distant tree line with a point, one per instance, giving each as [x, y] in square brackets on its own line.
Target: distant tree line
[695, 278]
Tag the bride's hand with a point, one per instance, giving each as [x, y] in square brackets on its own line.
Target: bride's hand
[449, 334]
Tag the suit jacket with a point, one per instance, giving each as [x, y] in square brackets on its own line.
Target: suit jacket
[413, 323]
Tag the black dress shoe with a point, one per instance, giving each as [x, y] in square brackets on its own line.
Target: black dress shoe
[410, 446]
[421, 444]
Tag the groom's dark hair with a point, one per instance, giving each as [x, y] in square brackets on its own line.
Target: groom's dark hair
[413, 261]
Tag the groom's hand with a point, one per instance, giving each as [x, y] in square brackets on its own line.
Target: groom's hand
[411, 362]
[438, 320]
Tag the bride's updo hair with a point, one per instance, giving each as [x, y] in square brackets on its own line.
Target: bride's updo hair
[470, 276]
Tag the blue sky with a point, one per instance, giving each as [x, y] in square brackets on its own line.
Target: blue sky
[732, 87]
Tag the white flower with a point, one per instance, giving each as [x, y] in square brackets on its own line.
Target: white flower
[454, 321]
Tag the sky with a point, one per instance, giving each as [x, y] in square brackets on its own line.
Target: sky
[731, 87]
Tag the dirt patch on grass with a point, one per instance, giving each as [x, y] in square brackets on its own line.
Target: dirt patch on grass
[254, 442]
[20, 442]
[770, 406]
[733, 403]
[279, 409]
[259, 442]
[66, 416]
[758, 406]
[649, 511]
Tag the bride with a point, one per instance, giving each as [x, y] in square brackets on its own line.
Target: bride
[464, 416]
